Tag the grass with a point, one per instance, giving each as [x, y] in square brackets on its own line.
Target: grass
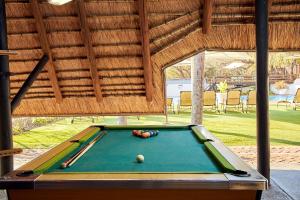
[233, 128]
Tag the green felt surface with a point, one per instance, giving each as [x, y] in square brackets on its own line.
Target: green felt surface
[174, 150]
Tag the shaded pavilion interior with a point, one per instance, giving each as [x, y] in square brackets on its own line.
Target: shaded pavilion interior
[106, 57]
[96, 60]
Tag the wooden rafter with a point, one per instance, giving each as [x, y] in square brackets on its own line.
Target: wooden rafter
[207, 16]
[144, 26]
[86, 36]
[46, 48]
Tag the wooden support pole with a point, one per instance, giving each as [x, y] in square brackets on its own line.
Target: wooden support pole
[144, 26]
[86, 36]
[262, 85]
[166, 96]
[46, 48]
[29, 81]
[197, 85]
[5, 112]
[207, 16]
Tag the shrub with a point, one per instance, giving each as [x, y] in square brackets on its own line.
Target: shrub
[16, 129]
[40, 120]
[20, 125]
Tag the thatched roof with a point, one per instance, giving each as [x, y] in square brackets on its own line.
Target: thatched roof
[98, 48]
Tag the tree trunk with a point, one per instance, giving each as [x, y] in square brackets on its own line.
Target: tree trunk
[122, 120]
[197, 83]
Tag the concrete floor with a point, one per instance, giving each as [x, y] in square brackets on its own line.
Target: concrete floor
[275, 193]
[285, 185]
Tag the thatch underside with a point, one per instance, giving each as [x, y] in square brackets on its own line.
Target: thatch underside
[67, 84]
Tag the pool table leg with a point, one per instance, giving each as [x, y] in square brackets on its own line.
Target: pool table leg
[258, 195]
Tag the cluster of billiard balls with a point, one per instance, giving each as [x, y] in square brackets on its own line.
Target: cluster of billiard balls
[145, 134]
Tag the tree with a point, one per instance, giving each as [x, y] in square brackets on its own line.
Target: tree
[178, 72]
[197, 94]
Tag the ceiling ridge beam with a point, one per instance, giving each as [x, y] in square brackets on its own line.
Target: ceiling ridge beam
[176, 41]
[192, 31]
[46, 48]
[207, 16]
[86, 37]
[144, 26]
[175, 31]
[188, 14]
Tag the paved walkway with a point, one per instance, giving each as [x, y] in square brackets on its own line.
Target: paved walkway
[285, 184]
[26, 156]
[281, 157]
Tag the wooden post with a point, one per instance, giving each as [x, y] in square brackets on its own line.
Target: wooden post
[5, 111]
[197, 92]
[262, 85]
[122, 120]
[166, 96]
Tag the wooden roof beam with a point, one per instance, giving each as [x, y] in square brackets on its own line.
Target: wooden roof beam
[207, 16]
[144, 26]
[46, 48]
[86, 36]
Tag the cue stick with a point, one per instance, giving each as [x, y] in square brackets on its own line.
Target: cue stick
[10, 152]
[82, 151]
[8, 52]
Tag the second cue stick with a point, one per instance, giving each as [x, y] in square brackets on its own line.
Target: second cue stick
[82, 151]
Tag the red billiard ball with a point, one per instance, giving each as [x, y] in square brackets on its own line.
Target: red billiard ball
[134, 132]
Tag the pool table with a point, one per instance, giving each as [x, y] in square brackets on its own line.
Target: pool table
[181, 162]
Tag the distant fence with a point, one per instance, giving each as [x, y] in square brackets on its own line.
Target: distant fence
[249, 80]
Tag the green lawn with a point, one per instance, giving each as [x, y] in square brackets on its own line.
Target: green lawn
[233, 128]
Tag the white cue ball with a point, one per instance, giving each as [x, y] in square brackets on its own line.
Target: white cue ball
[140, 158]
